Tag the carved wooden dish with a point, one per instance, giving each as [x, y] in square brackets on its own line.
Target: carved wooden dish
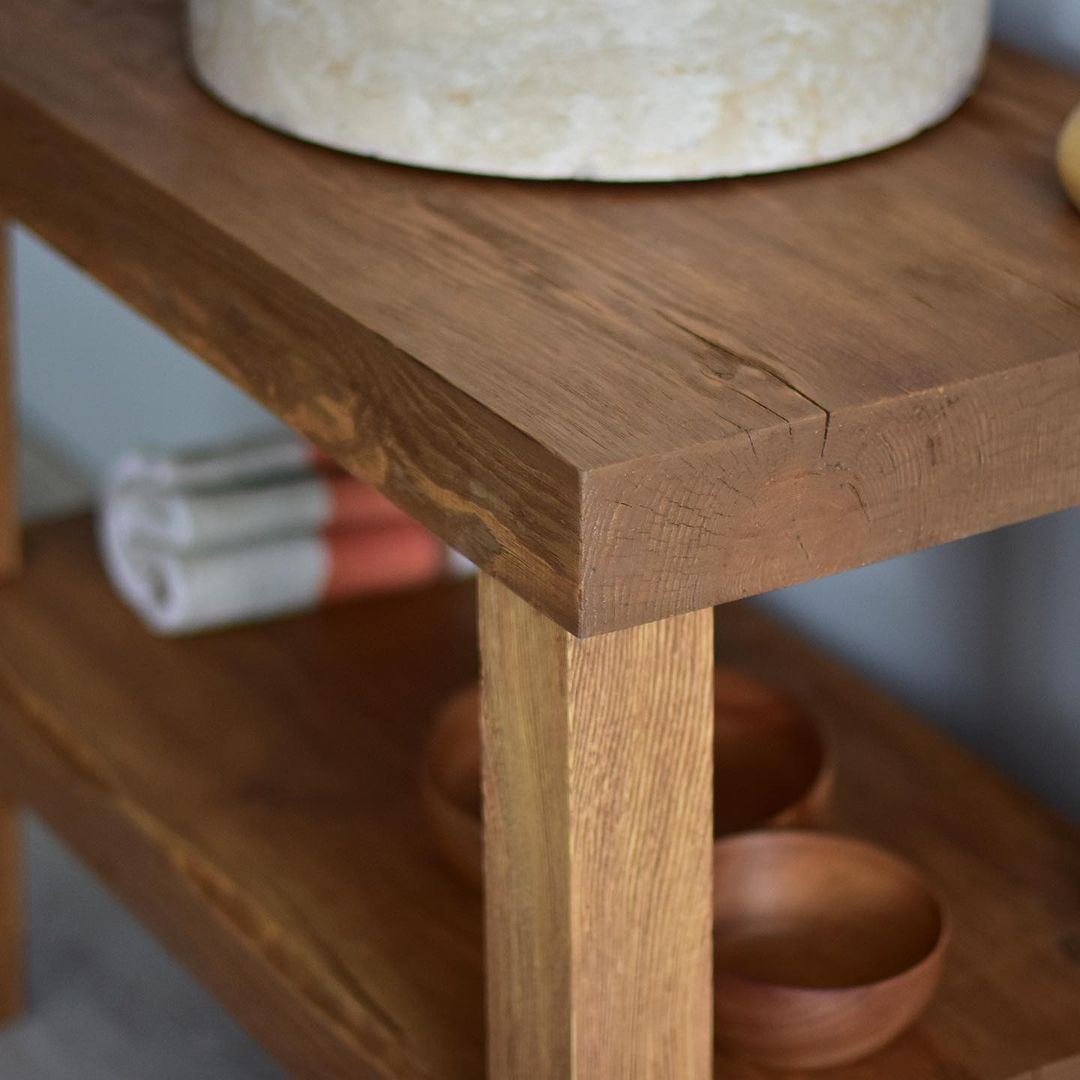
[826, 948]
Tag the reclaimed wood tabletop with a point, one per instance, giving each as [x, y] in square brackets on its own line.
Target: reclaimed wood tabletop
[623, 401]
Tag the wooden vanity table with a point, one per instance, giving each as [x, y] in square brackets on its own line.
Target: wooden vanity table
[627, 405]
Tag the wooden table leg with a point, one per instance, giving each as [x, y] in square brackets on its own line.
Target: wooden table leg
[598, 825]
[9, 529]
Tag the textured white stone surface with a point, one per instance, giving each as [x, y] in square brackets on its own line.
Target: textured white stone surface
[597, 89]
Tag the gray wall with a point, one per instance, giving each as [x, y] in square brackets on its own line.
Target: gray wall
[982, 635]
[1051, 27]
[94, 378]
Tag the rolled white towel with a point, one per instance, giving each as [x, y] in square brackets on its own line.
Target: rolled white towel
[216, 467]
[177, 593]
[197, 541]
[182, 592]
[203, 520]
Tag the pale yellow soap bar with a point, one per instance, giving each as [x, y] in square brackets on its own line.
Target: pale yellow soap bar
[1069, 156]
[594, 89]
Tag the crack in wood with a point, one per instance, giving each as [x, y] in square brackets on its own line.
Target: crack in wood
[757, 365]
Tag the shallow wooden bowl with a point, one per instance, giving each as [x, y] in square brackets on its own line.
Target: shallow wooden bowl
[450, 785]
[826, 948]
[773, 767]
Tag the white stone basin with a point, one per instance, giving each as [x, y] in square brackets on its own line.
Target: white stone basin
[593, 89]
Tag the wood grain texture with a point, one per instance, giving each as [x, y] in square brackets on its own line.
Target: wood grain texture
[12, 960]
[253, 795]
[9, 504]
[777, 772]
[597, 846]
[625, 402]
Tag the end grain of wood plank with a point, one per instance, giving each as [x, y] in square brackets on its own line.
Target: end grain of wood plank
[598, 811]
[451, 462]
[623, 401]
[9, 511]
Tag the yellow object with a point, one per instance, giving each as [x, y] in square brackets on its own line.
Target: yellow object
[1068, 156]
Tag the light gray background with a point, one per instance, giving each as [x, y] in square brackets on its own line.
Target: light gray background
[982, 636]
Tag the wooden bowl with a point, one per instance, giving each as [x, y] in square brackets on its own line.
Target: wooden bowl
[826, 948]
[450, 785]
[773, 768]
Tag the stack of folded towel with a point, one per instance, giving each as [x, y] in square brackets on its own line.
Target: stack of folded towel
[236, 534]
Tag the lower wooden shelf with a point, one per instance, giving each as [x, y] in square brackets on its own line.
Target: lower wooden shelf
[252, 795]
